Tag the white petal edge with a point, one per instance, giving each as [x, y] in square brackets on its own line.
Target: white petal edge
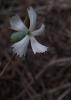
[20, 48]
[36, 46]
[40, 31]
[17, 24]
[32, 16]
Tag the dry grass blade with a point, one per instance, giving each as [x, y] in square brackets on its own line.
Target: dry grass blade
[64, 86]
[53, 62]
[64, 94]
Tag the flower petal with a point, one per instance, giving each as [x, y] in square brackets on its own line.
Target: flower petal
[17, 24]
[32, 17]
[36, 46]
[39, 31]
[21, 47]
[17, 36]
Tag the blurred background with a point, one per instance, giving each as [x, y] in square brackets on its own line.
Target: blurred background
[42, 76]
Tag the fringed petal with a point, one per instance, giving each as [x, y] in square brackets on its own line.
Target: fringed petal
[36, 46]
[17, 24]
[39, 31]
[21, 47]
[32, 17]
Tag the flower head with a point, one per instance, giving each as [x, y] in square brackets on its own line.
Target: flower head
[21, 46]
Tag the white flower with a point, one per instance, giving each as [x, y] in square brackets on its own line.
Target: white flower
[21, 46]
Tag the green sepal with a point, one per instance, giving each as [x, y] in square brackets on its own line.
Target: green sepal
[17, 36]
